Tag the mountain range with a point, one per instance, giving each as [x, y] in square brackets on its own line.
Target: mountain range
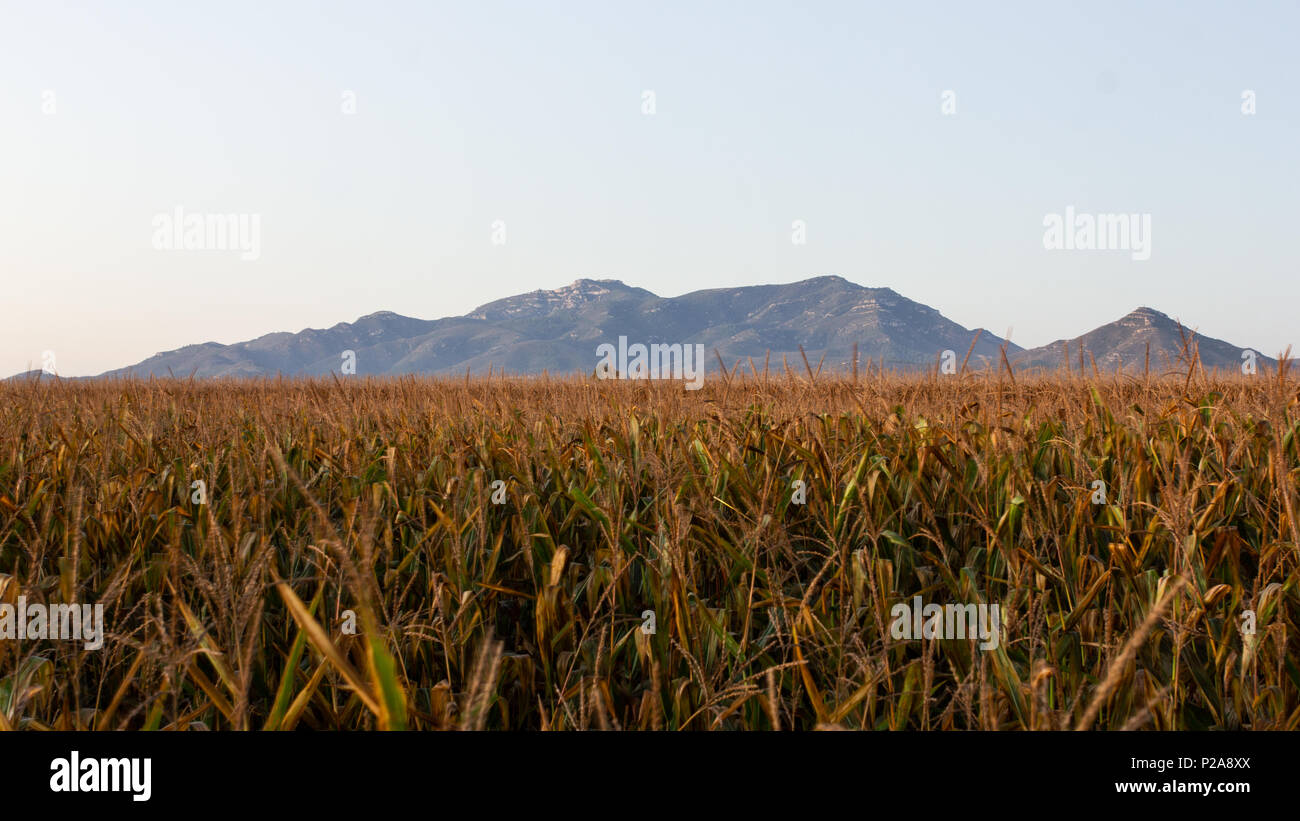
[559, 330]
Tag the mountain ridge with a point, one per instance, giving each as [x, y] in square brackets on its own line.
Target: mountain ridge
[558, 330]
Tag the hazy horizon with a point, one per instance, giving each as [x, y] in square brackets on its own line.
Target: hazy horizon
[426, 159]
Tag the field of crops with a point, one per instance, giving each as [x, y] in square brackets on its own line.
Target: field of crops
[493, 553]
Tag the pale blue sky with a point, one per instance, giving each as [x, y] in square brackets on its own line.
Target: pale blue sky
[531, 113]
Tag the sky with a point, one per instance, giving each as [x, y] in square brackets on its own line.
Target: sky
[426, 158]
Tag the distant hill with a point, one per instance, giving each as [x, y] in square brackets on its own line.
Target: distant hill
[35, 375]
[1141, 339]
[559, 330]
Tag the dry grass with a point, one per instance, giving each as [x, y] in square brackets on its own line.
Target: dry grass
[375, 497]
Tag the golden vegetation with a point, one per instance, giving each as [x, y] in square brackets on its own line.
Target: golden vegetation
[375, 497]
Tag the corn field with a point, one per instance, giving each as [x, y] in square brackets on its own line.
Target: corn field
[569, 553]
